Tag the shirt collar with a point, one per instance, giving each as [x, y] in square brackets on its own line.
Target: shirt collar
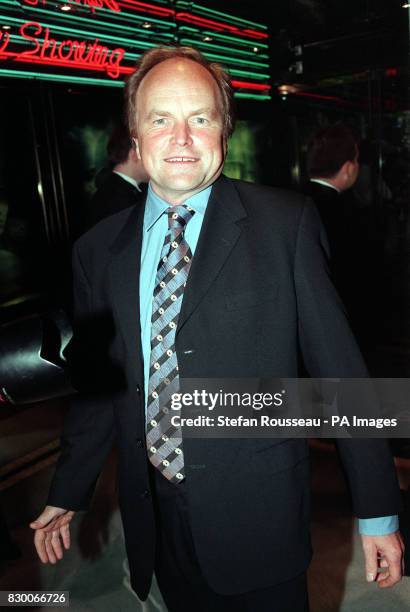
[156, 206]
[128, 179]
[323, 182]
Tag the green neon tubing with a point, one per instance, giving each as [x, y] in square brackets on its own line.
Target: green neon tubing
[230, 18]
[20, 74]
[235, 60]
[245, 73]
[200, 43]
[130, 29]
[251, 96]
[97, 21]
[235, 39]
[132, 43]
[134, 56]
[101, 37]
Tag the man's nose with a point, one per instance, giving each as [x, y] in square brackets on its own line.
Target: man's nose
[182, 134]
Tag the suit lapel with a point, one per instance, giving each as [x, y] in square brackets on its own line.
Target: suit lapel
[219, 234]
[124, 271]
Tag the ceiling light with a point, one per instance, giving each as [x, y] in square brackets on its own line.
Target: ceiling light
[284, 90]
[255, 49]
[207, 39]
[6, 27]
[146, 25]
[407, 5]
[66, 8]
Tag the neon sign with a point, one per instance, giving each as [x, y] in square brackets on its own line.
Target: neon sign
[77, 53]
[112, 5]
[4, 40]
[107, 45]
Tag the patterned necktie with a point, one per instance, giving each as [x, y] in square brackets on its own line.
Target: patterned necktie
[164, 441]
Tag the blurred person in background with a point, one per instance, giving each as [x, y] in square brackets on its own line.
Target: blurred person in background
[333, 168]
[123, 182]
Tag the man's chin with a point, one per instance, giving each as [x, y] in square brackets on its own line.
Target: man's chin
[178, 191]
[181, 185]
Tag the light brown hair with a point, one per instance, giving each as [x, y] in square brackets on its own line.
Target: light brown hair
[155, 56]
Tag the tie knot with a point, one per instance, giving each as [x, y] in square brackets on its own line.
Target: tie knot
[178, 216]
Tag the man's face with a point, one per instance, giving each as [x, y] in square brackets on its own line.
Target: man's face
[179, 129]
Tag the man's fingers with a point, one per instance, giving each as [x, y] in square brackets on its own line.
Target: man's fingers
[394, 573]
[39, 543]
[387, 551]
[371, 563]
[49, 513]
[59, 521]
[50, 526]
[65, 535]
[48, 543]
[56, 544]
[49, 548]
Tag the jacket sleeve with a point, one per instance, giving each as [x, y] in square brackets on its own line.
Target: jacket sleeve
[329, 350]
[88, 431]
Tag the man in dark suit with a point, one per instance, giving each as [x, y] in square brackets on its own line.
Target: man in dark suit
[212, 278]
[121, 185]
[333, 166]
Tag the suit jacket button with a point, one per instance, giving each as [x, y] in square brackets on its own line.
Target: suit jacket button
[138, 390]
[145, 494]
[140, 443]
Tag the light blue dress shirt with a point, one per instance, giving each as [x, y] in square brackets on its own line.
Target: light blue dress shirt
[154, 232]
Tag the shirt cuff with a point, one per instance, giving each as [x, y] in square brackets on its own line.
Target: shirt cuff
[382, 525]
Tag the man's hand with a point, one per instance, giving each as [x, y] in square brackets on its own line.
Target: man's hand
[385, 552]
[52, 524]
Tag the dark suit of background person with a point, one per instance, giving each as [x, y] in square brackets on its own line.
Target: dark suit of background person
[123, 183]
[258, 299]
[332, 167]
[114, 194]
[338, 217]
[258, 292]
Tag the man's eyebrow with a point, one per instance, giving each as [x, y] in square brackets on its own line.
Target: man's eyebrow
[199, 111]
[158, 112]
[205, 110]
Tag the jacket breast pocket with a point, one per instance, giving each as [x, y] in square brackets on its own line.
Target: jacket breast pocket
[251, 299]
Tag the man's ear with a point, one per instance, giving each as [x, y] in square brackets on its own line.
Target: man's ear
[137, 149]
[133, 154]
[350, 168]
[346, 169]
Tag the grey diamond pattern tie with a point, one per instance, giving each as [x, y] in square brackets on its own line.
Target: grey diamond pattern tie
[164, 441]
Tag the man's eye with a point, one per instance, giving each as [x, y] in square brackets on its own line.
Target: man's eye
[200, 120]
[160, 121]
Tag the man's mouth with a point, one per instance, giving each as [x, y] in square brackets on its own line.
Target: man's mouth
[181, 160]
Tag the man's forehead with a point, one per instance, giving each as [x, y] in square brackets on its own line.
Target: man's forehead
[178, 66]
[171, 76]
